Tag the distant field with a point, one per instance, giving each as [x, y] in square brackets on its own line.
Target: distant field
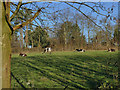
[92, 69]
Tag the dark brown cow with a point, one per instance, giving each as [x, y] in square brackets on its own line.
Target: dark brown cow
[111, 50]
[22, 54]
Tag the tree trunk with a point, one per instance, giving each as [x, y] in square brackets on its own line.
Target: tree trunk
[65, 40]
[0, 46]
[32, 43]
[88, 37]
[82, 40]
[107, 40]
[6, 51]
[39, 41]
[21, 37]
[26, 36]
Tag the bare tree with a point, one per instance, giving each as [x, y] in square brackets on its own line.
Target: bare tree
[6, 41]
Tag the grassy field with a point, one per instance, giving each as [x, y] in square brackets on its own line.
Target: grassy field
[91, 69]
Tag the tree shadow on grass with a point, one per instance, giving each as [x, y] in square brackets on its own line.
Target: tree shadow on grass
[64, 65]
[52, 77]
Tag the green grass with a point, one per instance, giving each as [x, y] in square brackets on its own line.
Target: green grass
[88, 70]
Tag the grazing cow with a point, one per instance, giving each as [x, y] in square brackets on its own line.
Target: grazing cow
[22, 54]
[80, 50]
[111, 50]
[48, 49]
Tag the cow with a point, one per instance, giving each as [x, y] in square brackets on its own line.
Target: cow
[80, 50]
[111, 50]
[48, 49]
[22, 54]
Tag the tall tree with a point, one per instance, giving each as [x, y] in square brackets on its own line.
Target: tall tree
[6, 48]
[69, 35]
[6, 41]
[38, 38]
[116, 34]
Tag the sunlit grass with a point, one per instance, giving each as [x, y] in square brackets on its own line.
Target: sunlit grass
[73, 69]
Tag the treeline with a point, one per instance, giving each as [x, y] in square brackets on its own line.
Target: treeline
[68, 36]
[64, 30]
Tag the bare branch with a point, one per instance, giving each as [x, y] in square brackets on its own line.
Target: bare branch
[84, 15]
[17, 8]
[16, 11]
[37, 22]
[27, 22]
[90, 7]
[34, 24]
[13, 4]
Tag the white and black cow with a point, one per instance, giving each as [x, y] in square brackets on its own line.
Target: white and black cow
[80, 50]
[48, 49]
[22, 54]
[111, 50]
